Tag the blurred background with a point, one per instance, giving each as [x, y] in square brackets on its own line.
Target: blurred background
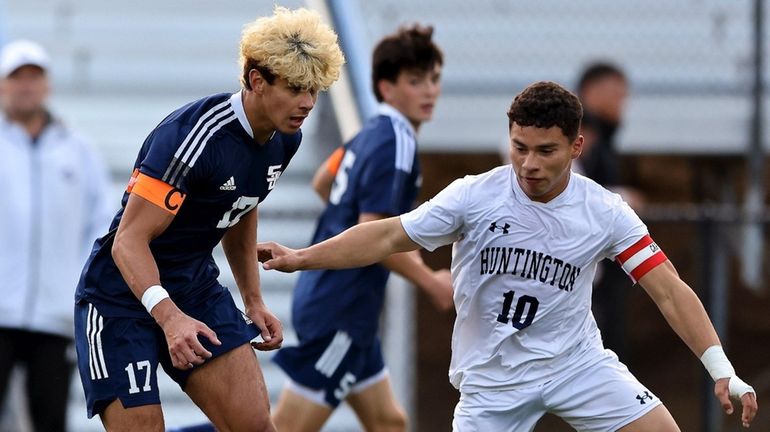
[693, 139]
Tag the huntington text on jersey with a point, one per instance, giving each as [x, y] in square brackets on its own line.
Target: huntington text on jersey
[529, 264]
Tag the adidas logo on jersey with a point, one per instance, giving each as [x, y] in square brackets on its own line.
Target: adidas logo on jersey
[229, 185]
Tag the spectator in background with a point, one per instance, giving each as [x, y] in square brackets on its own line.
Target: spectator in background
[53, 208]
[602, 89]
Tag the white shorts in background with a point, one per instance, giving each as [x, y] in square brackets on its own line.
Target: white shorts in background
[600, 396]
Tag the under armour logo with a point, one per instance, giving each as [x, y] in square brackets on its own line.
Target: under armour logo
[643, 397]
[504, 228]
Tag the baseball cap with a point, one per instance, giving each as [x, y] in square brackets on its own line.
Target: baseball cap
[21, 53]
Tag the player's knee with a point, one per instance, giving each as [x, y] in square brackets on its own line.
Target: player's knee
[393, 421]
[251, 425]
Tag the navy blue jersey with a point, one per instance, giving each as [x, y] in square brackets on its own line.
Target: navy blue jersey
[379, 173]
[204, 153]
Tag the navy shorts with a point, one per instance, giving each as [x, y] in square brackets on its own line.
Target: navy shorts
[333, 364]
[118, 357]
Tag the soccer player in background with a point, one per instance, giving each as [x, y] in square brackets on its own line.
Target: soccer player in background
[527, 240]
[336, 312]
[149, 293]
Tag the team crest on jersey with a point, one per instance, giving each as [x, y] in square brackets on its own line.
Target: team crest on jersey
[273, 172]
[502, 227]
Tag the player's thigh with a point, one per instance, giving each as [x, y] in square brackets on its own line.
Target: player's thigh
[508, 410]
[117, 359]
[231, 391]
[659, 419]
[300, 409]
[376, 406]
[600, 395]
[116, 418]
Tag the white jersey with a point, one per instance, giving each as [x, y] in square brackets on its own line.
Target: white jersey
[522, 272]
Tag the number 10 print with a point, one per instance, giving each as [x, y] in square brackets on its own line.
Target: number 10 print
[525, 302]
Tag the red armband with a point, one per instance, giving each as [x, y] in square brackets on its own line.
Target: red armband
[641, 257]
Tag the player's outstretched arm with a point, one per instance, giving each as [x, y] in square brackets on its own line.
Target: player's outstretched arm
[358, 246]
[686, 315]
[143, 221]
[240, 246]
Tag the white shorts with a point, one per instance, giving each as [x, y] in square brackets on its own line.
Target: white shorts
[601, 396]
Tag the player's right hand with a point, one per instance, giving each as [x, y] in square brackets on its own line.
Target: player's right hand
[184, 348]
[274, 256]
[748, 398]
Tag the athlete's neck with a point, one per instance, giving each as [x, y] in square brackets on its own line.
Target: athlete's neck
[260, 124]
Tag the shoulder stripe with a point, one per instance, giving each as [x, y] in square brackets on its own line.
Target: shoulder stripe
[183, 153]
[405, 147]
[211, 132]
[184, 163]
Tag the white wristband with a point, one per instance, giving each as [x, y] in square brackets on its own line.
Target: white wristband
[738, 387]
[716, 363]
[152, 296]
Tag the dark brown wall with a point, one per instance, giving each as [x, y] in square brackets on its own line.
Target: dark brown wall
[658, 357]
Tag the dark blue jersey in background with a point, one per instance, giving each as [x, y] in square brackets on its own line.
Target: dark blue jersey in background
[379, 173]
[206, 151]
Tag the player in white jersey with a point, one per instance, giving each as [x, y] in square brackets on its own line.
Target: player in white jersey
[527, 240]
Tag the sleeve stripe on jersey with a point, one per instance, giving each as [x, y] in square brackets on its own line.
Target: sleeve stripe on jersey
[202, 127]
[158, 192]
[641, 257]
[405, 147]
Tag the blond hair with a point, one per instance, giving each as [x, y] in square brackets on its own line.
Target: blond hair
[294, 45]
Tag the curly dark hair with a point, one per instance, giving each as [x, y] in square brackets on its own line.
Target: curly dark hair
[410, 48]
[545, 104]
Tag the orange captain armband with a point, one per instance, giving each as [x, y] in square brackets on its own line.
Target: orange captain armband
[156, 191]
[334, 161]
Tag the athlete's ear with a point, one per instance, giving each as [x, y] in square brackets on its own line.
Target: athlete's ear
[577, 147]
[385, 88]
[257, 81]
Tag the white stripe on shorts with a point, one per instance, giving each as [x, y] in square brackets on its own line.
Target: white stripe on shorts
[334, 353]
[94, 327]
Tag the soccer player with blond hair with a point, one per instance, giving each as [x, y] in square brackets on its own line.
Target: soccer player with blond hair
[149, 293]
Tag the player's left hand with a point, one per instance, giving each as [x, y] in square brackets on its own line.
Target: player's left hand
[269, 325]
[739, 390]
